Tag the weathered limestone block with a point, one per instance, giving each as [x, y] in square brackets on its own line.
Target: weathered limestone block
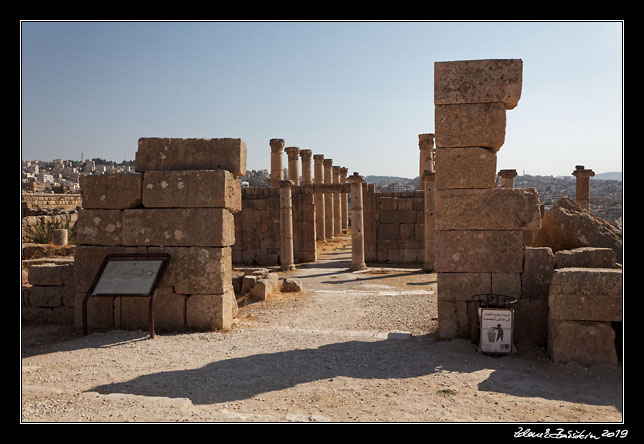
[199, 227]
[586, 257]
[99, 227]
[538, 265]
[169, 311]
[530, 321]
[465, 168]
[461, 287]
[210, 311]
[265, 287]
[46, 296]
[470, 125]
[110, 191]
[172, 154]
[566, 226]
[479, 251]
[100, 311]
[493, 209]
[478, 81]
[56, 315]
[454, 319]
[197, 270]
[192, 189]
[584, 342]
[291, 285]
[47, 274]
[586, 294]
[88, 260]
[507, 284]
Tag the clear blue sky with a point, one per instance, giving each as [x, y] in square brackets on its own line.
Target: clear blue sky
[357, 92]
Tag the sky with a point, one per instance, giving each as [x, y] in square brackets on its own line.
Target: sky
[359, 92]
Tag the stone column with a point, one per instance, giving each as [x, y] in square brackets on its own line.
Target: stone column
[319, 197]
[507, 178]
[582, 194]
[344, 201]
[429, 189]
[293, 154]
[286, 226]
[59, 237]
[328, 200]
[337, 203]
[357, 223]
[307, 177]
[426, 146]
[277, 168]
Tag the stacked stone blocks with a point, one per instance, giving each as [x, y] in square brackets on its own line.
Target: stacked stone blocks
[479, 229]
[180, 201]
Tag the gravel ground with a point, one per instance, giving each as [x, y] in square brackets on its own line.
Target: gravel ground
[352, 347]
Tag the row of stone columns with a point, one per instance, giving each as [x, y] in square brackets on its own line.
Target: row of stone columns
[332, 209]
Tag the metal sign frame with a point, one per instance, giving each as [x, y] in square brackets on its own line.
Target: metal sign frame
[163, 257]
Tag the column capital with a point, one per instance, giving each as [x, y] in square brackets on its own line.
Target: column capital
[277, 145]
[306, 153]
[582, 172]
[507, 173]
[336, 169]
[328, 162]
[425, 141]
[292, 152]
[286, 183]
[318, 157]
[356, 178]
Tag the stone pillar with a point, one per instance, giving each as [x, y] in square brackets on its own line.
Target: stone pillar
[277, 168]
[429, 189]
[357, 223]
[328, 200]
[286, 226]
[293, 154]
[59, 237]
[507, 178]
[426, 146]
[582, 195]
[319, 197]
[337, 203]
[307, 177]
[344, 201]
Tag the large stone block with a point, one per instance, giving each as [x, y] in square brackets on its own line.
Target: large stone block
[171, 154]
[538, 265]
[46, 274]
[192, 189]
[465, 168]
[586, 294]
[470, 125]
[199, 227]
[478, 81]
[493, 209]
[110, 191]
[99, 227]
[584, 342]
[462, 286]
[479, 251]
[169, 311]
[197, 270]
[210, 311]
[88, 260]
[586, 257]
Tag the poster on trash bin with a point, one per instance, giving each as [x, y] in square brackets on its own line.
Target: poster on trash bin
[496, 330]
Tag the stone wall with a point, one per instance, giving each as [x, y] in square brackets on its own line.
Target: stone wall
[50, 293]
[176, 204]
[393, 226]
[257, 226]
[36, 201]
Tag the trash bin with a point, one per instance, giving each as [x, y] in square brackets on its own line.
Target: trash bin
[492, 323]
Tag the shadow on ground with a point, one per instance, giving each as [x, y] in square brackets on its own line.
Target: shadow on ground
[243, 378]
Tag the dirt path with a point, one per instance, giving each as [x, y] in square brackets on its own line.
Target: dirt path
[353, 347]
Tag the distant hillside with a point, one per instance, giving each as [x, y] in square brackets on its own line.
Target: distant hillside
[617, 175]
[388, 179]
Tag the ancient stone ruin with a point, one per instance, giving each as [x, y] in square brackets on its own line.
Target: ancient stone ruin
[562, 266]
